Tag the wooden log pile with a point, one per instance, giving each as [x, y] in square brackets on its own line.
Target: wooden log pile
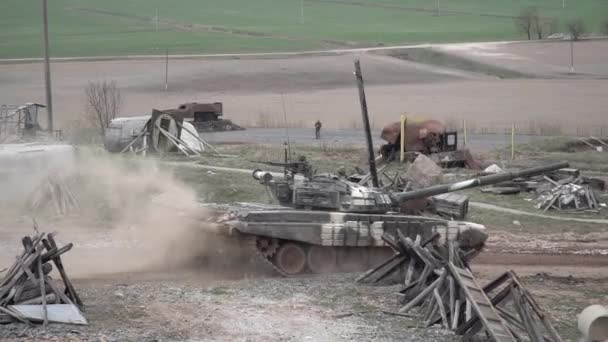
[438, 282]
[28, 281]
[53, 192]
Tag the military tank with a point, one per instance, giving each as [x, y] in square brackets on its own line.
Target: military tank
[326, 222]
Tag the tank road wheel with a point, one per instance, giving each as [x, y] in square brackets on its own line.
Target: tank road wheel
[321, 259]
[291, 258]
[267, 246]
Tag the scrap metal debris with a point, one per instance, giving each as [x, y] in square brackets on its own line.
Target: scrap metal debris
[438, 280]
[558, 190]
[572, 195]
[27, 292]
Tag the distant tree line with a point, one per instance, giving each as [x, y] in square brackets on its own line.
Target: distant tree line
[532, 24]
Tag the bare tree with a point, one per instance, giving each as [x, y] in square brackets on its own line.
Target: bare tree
[525, 21]
[538, 23]
[103, 101]
[604, 28]
[576, 28]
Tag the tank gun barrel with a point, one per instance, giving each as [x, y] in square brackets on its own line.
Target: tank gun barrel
[262, 176]
[480, 181]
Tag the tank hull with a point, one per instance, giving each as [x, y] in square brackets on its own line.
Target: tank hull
[299, 241]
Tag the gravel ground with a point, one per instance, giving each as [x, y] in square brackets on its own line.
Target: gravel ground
[187, 306]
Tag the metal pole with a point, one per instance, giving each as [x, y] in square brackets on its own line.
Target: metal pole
[167, 70]
[368, 134]
[402, 147]
[512, 141]
[286, 125]
[464, 128]
[156, 19]
[47, 67]
[571, 55]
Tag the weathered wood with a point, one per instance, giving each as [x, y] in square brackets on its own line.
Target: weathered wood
[452, 295]
[418, 299]
[391, 242]
[62, 297]
[26, 269]
[45, 322]
[66, 281]
[444, 316]
[15, 315]
[393, 313]
[50, 298]
[494, 324]
[456, 314]
[377, 268]
[526, 318]
[544, 316]
[410, 271]
[389, 269]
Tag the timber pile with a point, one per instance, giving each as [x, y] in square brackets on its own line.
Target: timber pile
[574, 195]
[27, 292]
[439, 283]
[56, 193]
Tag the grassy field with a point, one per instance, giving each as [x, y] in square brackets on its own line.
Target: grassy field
[113, 27]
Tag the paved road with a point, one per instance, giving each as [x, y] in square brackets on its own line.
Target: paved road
[342, 138]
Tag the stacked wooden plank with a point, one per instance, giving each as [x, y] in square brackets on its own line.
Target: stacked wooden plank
[439, 283]
[27, 282]
[54, 192]
[568, 195]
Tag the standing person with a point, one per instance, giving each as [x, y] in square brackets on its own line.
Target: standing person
[318, 126]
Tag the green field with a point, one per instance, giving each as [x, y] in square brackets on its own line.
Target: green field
[114, 27]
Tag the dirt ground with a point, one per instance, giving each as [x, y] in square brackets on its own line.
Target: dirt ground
[317, 87]
[131, 298]
[542, 59]
[128, 299]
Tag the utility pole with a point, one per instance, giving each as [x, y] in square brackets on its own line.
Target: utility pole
[167, 70]
[301, 11]
[156, 19]
[368, 134]
[47, 67]
[438, 9]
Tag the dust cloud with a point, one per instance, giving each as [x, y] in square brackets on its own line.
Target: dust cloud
[134, 215]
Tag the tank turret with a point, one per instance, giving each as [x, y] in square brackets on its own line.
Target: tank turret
[336, 193]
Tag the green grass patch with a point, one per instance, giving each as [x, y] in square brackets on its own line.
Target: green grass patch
[113, 27]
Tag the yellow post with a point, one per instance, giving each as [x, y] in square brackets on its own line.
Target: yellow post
[464, 128]
[512, 141]
[402, 154]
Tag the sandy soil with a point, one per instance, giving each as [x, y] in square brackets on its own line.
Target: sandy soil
[314, 87]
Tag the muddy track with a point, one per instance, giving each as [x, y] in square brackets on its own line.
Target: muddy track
[532, 259]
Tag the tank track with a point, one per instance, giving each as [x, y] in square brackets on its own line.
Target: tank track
[250, 242]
